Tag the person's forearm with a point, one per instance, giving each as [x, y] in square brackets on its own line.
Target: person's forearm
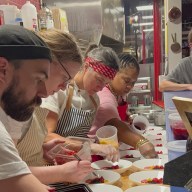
[47, 174]
[129, 137]
[51, 136]
[125, 134]
[21, 183]
[170, 86]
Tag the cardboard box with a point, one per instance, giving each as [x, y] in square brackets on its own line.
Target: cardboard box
[60, 19]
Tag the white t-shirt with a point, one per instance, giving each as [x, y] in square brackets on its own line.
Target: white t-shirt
[11, 164]
[80, 100]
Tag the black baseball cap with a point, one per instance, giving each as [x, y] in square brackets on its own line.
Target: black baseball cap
[18, 43]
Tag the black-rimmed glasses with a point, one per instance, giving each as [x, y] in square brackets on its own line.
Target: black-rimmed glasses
[69, 76]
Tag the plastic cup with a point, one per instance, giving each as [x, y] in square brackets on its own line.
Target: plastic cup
[176, 149]
[108, 135]
[177, 127]
[140, 124]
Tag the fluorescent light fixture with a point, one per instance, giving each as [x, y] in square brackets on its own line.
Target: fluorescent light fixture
[145, 8]
[66, 5]
[147, 17]
[142, 24]
[147, 30]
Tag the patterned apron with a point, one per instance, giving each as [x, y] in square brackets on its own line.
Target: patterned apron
[73, 121]
[30, 146]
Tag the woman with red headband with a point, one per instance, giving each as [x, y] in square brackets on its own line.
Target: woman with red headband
[72, 111]
[107, 113]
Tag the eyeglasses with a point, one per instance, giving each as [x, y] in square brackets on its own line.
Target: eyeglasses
[68, 76]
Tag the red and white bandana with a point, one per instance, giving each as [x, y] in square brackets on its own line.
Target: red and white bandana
[99, 67]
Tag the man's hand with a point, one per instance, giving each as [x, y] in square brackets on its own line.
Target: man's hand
[48, 146]
[75, 171]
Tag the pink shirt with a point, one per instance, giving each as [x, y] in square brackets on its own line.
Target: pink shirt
[107, 110]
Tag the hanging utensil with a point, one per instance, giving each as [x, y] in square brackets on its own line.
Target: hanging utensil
[174, 14]
[175, 46]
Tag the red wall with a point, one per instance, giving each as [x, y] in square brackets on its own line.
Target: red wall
[19, 3]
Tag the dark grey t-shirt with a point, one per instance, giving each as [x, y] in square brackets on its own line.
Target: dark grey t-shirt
[182, 73]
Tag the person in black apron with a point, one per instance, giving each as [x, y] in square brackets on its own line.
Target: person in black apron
[108, 114]
[75, 108]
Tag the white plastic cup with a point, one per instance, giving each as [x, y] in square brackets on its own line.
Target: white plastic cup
[176, 149]
[108, 135]
[177, 127]
[140, 124]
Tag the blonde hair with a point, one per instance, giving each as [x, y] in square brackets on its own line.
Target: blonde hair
[63, 45]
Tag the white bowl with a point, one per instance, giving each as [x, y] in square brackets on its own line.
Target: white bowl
[157, 132]
[137, 177]
[161, 156]
[123, 165]
[153, 135]
[165, 157]
[110, 177]
[154, 128]
[161, 150]
[126, 155]
[104, 188]
[157, 143]
[124, 146]
[146, 164]
[149, 188]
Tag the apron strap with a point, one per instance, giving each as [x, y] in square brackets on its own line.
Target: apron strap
[94, 102]
[70, 96]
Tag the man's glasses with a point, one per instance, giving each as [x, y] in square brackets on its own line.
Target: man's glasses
[68, 76]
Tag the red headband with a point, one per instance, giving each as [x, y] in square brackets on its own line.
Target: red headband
[101, 68]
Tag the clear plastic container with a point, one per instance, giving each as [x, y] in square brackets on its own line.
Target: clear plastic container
[64, 152]
[45, 18]
[176, 149]
[9, 12]
[177, 127]
[29, 16]
[18, 20]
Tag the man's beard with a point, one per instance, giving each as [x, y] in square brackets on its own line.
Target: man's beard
[15, 106]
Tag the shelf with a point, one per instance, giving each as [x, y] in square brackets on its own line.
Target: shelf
[141, 91]
[143, 78]
[140, 106]
[185, 32]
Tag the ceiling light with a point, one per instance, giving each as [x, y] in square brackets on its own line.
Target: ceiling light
[144, 8]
